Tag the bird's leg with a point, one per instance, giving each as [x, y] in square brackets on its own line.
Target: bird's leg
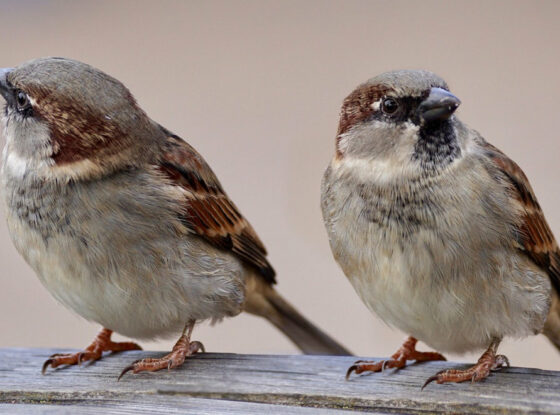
[101, 343]
[488, 362]
[183, 348]
[398, 360]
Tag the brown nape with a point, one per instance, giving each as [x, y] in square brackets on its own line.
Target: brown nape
[78, 132]
[86, 137]
[358, 106]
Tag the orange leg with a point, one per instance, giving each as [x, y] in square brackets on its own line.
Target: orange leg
[488, 362]
[101, 343]
[398, 360]
[183, 348]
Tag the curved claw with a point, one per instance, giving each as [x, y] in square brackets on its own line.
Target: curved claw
[46, 365]
[351, 369]
[125, 370]
[196, 346]
[128, 368]
[80, 356]
[429, 380]
[501, 360]
[384, 365]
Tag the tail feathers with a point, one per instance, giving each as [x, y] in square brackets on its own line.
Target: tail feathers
[552, 325]
[308, 337]
[267, 303]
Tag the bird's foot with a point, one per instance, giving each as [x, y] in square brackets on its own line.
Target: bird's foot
[183, 348]
[398, 360]
[101, 343]
[488, 362]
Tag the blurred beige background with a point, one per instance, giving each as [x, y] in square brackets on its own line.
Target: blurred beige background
[256, 87]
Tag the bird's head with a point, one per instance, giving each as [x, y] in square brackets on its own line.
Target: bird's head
[400, 118]
[66, 119]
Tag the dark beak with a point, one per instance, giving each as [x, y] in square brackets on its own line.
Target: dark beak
[4, 88]
[439, 105]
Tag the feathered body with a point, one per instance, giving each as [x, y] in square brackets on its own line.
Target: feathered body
[123, 221]
[117, 247]
[438, 231]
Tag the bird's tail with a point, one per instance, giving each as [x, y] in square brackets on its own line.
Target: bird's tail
[263, 300]
[552, 325]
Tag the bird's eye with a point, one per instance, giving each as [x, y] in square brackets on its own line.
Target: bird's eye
[389, 106]
[22, 100]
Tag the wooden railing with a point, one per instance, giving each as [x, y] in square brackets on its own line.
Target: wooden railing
[214, 383]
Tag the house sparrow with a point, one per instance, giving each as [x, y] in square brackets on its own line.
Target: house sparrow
[124, 222]
[438, 231]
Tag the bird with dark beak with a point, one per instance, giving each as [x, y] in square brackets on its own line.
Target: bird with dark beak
[438, 231]
[124, 222]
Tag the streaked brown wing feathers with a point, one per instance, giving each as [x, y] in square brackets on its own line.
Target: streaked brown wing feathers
[208, 210]
[536, 238]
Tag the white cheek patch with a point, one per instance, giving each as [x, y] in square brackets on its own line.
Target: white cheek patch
[16, 166]
[393, 166]
[27, 150]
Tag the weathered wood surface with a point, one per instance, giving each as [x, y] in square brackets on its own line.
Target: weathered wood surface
[246, 384]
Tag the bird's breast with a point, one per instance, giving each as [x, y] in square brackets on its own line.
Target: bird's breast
[116, 253]
[428, 256]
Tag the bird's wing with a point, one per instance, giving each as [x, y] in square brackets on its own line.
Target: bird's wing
[208, 211]
[535, 237]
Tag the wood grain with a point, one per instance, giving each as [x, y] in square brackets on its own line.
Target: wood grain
[245, 384]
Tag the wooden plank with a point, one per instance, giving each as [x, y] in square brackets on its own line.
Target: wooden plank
[295, 382]
[160, 405]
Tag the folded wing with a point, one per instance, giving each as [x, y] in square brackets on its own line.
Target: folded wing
[208, 211]
[535, 236]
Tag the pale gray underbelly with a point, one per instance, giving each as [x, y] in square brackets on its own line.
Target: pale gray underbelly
[130, 293]
[430, 289]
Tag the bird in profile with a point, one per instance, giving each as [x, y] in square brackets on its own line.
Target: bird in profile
[124, 222]
[439, 232]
